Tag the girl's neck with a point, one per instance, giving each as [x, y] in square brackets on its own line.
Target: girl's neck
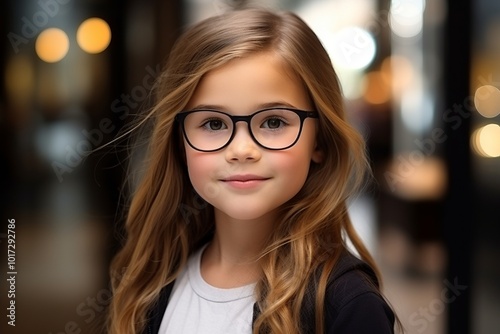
[231, 258]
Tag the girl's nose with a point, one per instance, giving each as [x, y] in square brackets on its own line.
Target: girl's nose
[242, 147]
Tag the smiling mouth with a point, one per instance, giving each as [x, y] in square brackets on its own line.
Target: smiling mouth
[245, 182]
[244, 178]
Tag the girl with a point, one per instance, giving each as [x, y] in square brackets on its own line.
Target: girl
[239, 223]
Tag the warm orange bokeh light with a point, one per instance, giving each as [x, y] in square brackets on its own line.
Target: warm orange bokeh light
[398, 71]
[52, 45]
[93, 35]
[377, 90]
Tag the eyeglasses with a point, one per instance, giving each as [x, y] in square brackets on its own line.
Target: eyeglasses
[271, 128]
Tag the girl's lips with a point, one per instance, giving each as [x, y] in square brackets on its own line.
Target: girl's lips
[244, 181]
[245, 178]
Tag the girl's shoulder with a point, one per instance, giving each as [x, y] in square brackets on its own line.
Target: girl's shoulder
[351, 278]
[353, 302]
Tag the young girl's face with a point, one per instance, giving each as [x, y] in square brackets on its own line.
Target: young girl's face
[244, 180]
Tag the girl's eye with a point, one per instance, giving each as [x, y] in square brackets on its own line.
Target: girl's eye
[214, 125]
[273, 123]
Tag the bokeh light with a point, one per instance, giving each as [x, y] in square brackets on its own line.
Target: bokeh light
[399, 71]
[427, 179]
[351, 48]
[486, 141]
[406, 17]
[20, 79]
[487, 101]
[377, 89]
[93, 35]
[52, 45]
[417, 111]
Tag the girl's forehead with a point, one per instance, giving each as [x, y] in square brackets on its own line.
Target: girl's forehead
[266, 60]
[247, 82]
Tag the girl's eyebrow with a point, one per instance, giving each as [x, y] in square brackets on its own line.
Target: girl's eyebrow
[277, 104]
[208, 106]
[258, 107]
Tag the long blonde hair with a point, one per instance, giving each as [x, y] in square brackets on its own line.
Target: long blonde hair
[166, 222]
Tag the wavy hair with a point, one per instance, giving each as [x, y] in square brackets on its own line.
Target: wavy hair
[315, 224]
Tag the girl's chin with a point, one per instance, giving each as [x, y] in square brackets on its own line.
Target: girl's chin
[246, 214]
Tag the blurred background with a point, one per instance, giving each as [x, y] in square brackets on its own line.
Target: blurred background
[421, 81]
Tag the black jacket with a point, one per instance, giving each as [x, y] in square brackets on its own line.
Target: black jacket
[352, 303]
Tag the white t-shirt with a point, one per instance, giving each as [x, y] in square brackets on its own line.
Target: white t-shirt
[196, 307]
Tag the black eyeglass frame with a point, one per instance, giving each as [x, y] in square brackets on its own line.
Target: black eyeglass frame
[303, 114]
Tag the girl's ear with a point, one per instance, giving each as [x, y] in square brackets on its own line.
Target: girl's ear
[317, 155]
